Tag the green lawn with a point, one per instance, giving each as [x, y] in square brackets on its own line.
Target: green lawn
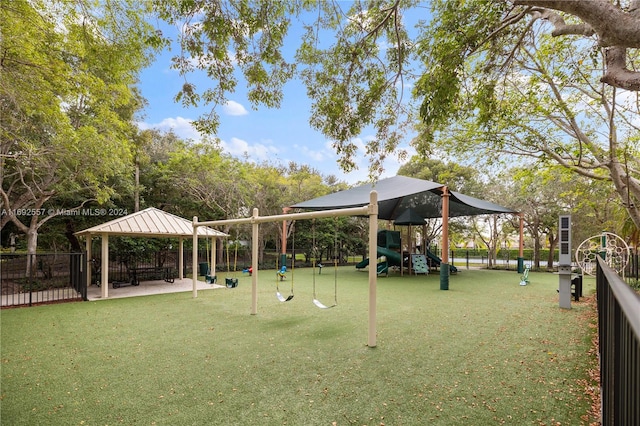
[487, 351]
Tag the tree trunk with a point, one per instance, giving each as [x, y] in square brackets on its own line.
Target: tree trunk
[553, 241]
[136, 190]
[32, 245]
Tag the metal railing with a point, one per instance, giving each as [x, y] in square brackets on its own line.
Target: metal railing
[42, 278]
[619, 347]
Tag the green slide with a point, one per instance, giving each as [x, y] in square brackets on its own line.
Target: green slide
[437, 261]
[393, 259]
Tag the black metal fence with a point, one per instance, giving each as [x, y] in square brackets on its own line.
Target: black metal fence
[632, 271]
[42, 278]
[619, 341]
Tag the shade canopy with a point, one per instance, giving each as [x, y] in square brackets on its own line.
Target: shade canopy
[399, 193]
[409, 217]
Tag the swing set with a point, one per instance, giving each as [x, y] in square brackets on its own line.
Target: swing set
[280, 273]
[370, 210]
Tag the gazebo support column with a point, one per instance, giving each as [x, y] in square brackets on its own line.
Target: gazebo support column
[181, 258]
[104, 279]
[89, 268]
[444, 264]
[214, 252]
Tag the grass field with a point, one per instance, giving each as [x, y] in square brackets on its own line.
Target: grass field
[487, 351]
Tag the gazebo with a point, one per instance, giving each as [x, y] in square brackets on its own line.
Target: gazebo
[147, 223]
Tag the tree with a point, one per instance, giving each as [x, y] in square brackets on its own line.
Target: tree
[457, 177]
[541, 196]
[355, 83]
[522, 92]
[545, 110]
[356, 61]
[66, 104]
[616, 26]
[205, 182]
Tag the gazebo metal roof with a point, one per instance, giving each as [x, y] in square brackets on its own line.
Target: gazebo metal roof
[151, 222]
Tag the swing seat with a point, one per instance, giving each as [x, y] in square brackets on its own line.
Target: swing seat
[321, 305]
[282, 298]
[231, 282]
[211, 279]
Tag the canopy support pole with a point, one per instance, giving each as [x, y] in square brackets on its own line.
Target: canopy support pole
[444, 263]
[521, 245]
[373, 272]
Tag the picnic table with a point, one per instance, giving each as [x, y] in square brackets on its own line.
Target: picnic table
[148, 273]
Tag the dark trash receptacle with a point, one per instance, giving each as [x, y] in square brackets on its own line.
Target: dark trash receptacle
[203, 268]
[576, 287]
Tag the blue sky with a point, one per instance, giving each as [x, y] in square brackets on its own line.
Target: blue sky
[274, 135]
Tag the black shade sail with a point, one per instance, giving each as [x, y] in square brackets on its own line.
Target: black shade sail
[409, 217]
[400, 193]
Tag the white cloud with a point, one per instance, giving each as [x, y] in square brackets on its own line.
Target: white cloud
[181, 126]
[256, 152]
[234, 108]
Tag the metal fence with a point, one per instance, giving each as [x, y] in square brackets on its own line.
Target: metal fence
[27, 280]
[632, 271]
[619, 341]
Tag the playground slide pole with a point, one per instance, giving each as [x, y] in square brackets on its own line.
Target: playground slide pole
[444, 264]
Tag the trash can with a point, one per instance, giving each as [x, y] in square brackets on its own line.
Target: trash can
[576, 284]
[203, 267]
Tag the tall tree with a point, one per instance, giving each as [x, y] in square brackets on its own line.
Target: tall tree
[358, 58]
[204, 182]
[457, 177]
[524, 91]
[67, 98]
[545, 105]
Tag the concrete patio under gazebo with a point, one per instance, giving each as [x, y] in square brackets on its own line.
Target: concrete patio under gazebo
[147, 223]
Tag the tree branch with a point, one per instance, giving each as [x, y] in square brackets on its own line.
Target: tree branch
[617, 74]
[614, 26]
[560, 27]
[616, 29]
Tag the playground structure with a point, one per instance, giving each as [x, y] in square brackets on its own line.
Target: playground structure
[388, 244]
[370, 210]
